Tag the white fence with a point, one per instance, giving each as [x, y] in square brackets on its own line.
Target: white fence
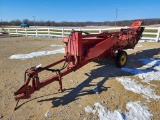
[150, 34]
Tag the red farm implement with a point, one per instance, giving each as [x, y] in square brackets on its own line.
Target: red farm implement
[82, 48]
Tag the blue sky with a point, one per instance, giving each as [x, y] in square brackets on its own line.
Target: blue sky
[78, 10]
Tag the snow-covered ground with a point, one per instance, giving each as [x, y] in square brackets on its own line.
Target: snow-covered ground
[135, 110]
[131, 85]
[148, 72]
[37, 54]
[55, 45]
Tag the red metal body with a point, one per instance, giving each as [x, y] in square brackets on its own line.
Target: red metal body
[81, 48]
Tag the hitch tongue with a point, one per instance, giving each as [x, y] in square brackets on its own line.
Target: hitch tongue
[23, 93]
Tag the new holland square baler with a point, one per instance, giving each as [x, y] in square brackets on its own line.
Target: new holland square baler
[82, 48]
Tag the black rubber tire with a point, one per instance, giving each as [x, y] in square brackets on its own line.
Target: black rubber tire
[121, 59]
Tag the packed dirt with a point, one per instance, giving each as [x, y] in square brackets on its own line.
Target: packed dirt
[78, 86]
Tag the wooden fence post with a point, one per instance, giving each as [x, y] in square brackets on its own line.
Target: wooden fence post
[100, 30]
[25, 31]
[158, 33]
[62, 32]
[48, 32]
[36, 32]
[17, 31]
[8, 31]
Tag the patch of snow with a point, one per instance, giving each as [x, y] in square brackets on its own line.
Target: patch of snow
[157, 68]
[138, 45]
[137, 111]
[134, 111]
[148, 72]
[141, 40]
[107, 114]
[147, 40]
[55, 45]
[147, 77]
[133, 86]
[147, 49]
[151, 63]
[36, 54]
[130, 49]
[47, 113]
[89, 109]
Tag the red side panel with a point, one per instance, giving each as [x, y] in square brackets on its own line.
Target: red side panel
[101, 48]
[74, 46]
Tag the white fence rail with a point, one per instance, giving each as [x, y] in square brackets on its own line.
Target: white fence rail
[150, 34]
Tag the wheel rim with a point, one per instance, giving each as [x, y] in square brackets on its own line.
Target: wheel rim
[123, 59]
